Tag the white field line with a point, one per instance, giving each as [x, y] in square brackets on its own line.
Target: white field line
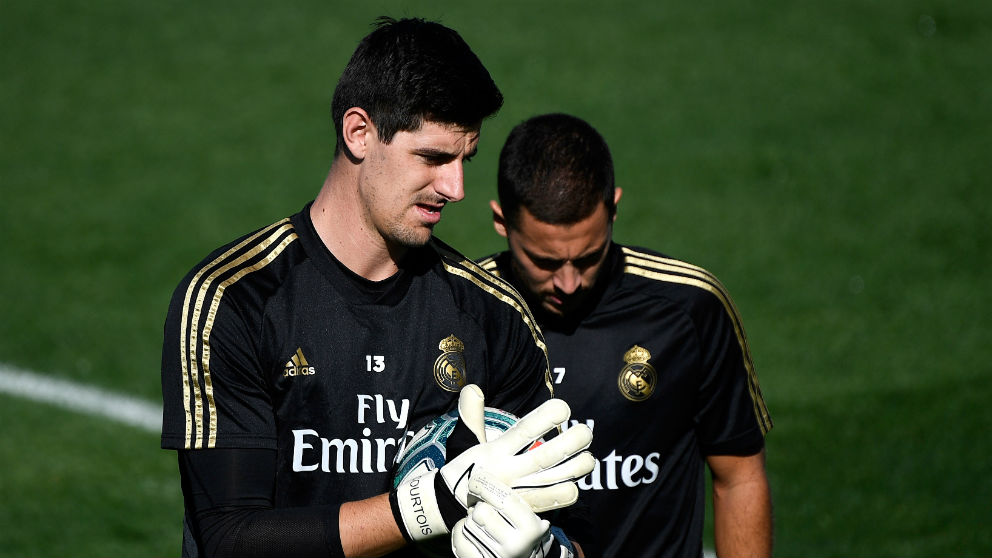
[82, 398]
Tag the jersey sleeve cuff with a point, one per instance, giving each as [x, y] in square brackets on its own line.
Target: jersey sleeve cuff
[742, 446]
[333, 536]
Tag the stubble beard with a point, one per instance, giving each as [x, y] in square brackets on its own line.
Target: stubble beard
[404, 235]
[409, 237]
[412, 236]
[394, 231]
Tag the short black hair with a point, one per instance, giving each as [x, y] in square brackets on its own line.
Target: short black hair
[410, 70]
[558, 167]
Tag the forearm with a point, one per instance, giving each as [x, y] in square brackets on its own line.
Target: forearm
[247, 533]
[742, 517]
[368, 528]
[229, 501]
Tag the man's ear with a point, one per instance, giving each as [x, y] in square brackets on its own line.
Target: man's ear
[617, 192]
[357, 130]
[499, 223]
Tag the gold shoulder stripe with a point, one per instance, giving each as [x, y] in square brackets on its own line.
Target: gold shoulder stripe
[261, 248]
[489, 264]
[675, 271]
[678, 266]
[503, 291]
[188, 367]
[658, 263]
[452, 256]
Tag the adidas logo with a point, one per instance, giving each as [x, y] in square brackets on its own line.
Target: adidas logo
[298, 366]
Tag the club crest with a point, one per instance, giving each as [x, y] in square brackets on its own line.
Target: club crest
[638, 378]
[449, 368]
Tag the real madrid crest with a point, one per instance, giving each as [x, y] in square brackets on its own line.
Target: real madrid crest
[638, 378]
[449, 368]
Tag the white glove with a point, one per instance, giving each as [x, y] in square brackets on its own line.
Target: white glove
[544, 476]
[429, 505]
[501, 524]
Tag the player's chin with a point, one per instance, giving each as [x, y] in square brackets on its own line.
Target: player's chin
[413, 237]
[562, 309]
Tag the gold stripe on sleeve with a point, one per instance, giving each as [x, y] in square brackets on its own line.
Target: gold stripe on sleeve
[191, 340]
[215, 303]
[489, 264]
[675, 271]
[188, 344]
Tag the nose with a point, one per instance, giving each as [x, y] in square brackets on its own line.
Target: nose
[567, 279]
[450, 181]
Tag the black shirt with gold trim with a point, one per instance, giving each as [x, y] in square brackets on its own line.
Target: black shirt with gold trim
[658, 365]
[271, 343]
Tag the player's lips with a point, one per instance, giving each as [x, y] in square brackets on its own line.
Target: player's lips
[562, 303]
[430, 213]
[554, 303]
[553, 308]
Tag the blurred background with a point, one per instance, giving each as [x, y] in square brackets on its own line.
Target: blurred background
[829, 161]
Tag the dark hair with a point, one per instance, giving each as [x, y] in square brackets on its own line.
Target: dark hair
[410, 70]
[558, 167]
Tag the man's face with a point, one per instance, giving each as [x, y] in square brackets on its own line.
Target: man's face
[404, 184]
[559, 264]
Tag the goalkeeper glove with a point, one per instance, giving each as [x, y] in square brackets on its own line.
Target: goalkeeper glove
[430, 505]
[501, 524]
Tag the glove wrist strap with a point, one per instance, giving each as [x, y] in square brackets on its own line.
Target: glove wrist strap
[448, 503]
[415, 503]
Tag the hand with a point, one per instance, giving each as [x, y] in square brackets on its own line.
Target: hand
[501, 524]
[429, 505]
[543, 476]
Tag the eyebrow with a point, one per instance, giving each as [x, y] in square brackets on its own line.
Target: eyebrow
[437, 152]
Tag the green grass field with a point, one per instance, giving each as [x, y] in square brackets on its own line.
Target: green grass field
[825, 159]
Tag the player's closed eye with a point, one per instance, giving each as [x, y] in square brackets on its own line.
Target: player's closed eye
[547, 264]
[436, 160]
[585, 262]
[588, 261]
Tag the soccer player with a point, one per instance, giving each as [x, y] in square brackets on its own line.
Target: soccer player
[300, 358]
[648, 350]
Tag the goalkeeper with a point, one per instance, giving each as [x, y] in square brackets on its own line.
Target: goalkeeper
[297, 359]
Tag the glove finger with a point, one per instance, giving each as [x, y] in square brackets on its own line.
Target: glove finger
[550, 498]
[532, 426]
[462, 546]
[477, 534]
[549, 455]
[570, 470]
[472, 410]
[469, 430]
[560, 448]
[503, 513]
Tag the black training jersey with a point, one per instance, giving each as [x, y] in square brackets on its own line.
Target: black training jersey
[271, 343]
[660, 369]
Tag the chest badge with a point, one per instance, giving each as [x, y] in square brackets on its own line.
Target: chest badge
[637, 379]
[449, 368]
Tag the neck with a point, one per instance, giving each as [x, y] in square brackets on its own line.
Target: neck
[342, 226]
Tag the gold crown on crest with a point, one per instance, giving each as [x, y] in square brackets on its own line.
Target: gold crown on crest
[636, 354]
[451, 344]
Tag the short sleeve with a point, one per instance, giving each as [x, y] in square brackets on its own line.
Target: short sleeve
[214, 393]
[731, 415]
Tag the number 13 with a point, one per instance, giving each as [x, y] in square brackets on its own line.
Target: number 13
[375, 363]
